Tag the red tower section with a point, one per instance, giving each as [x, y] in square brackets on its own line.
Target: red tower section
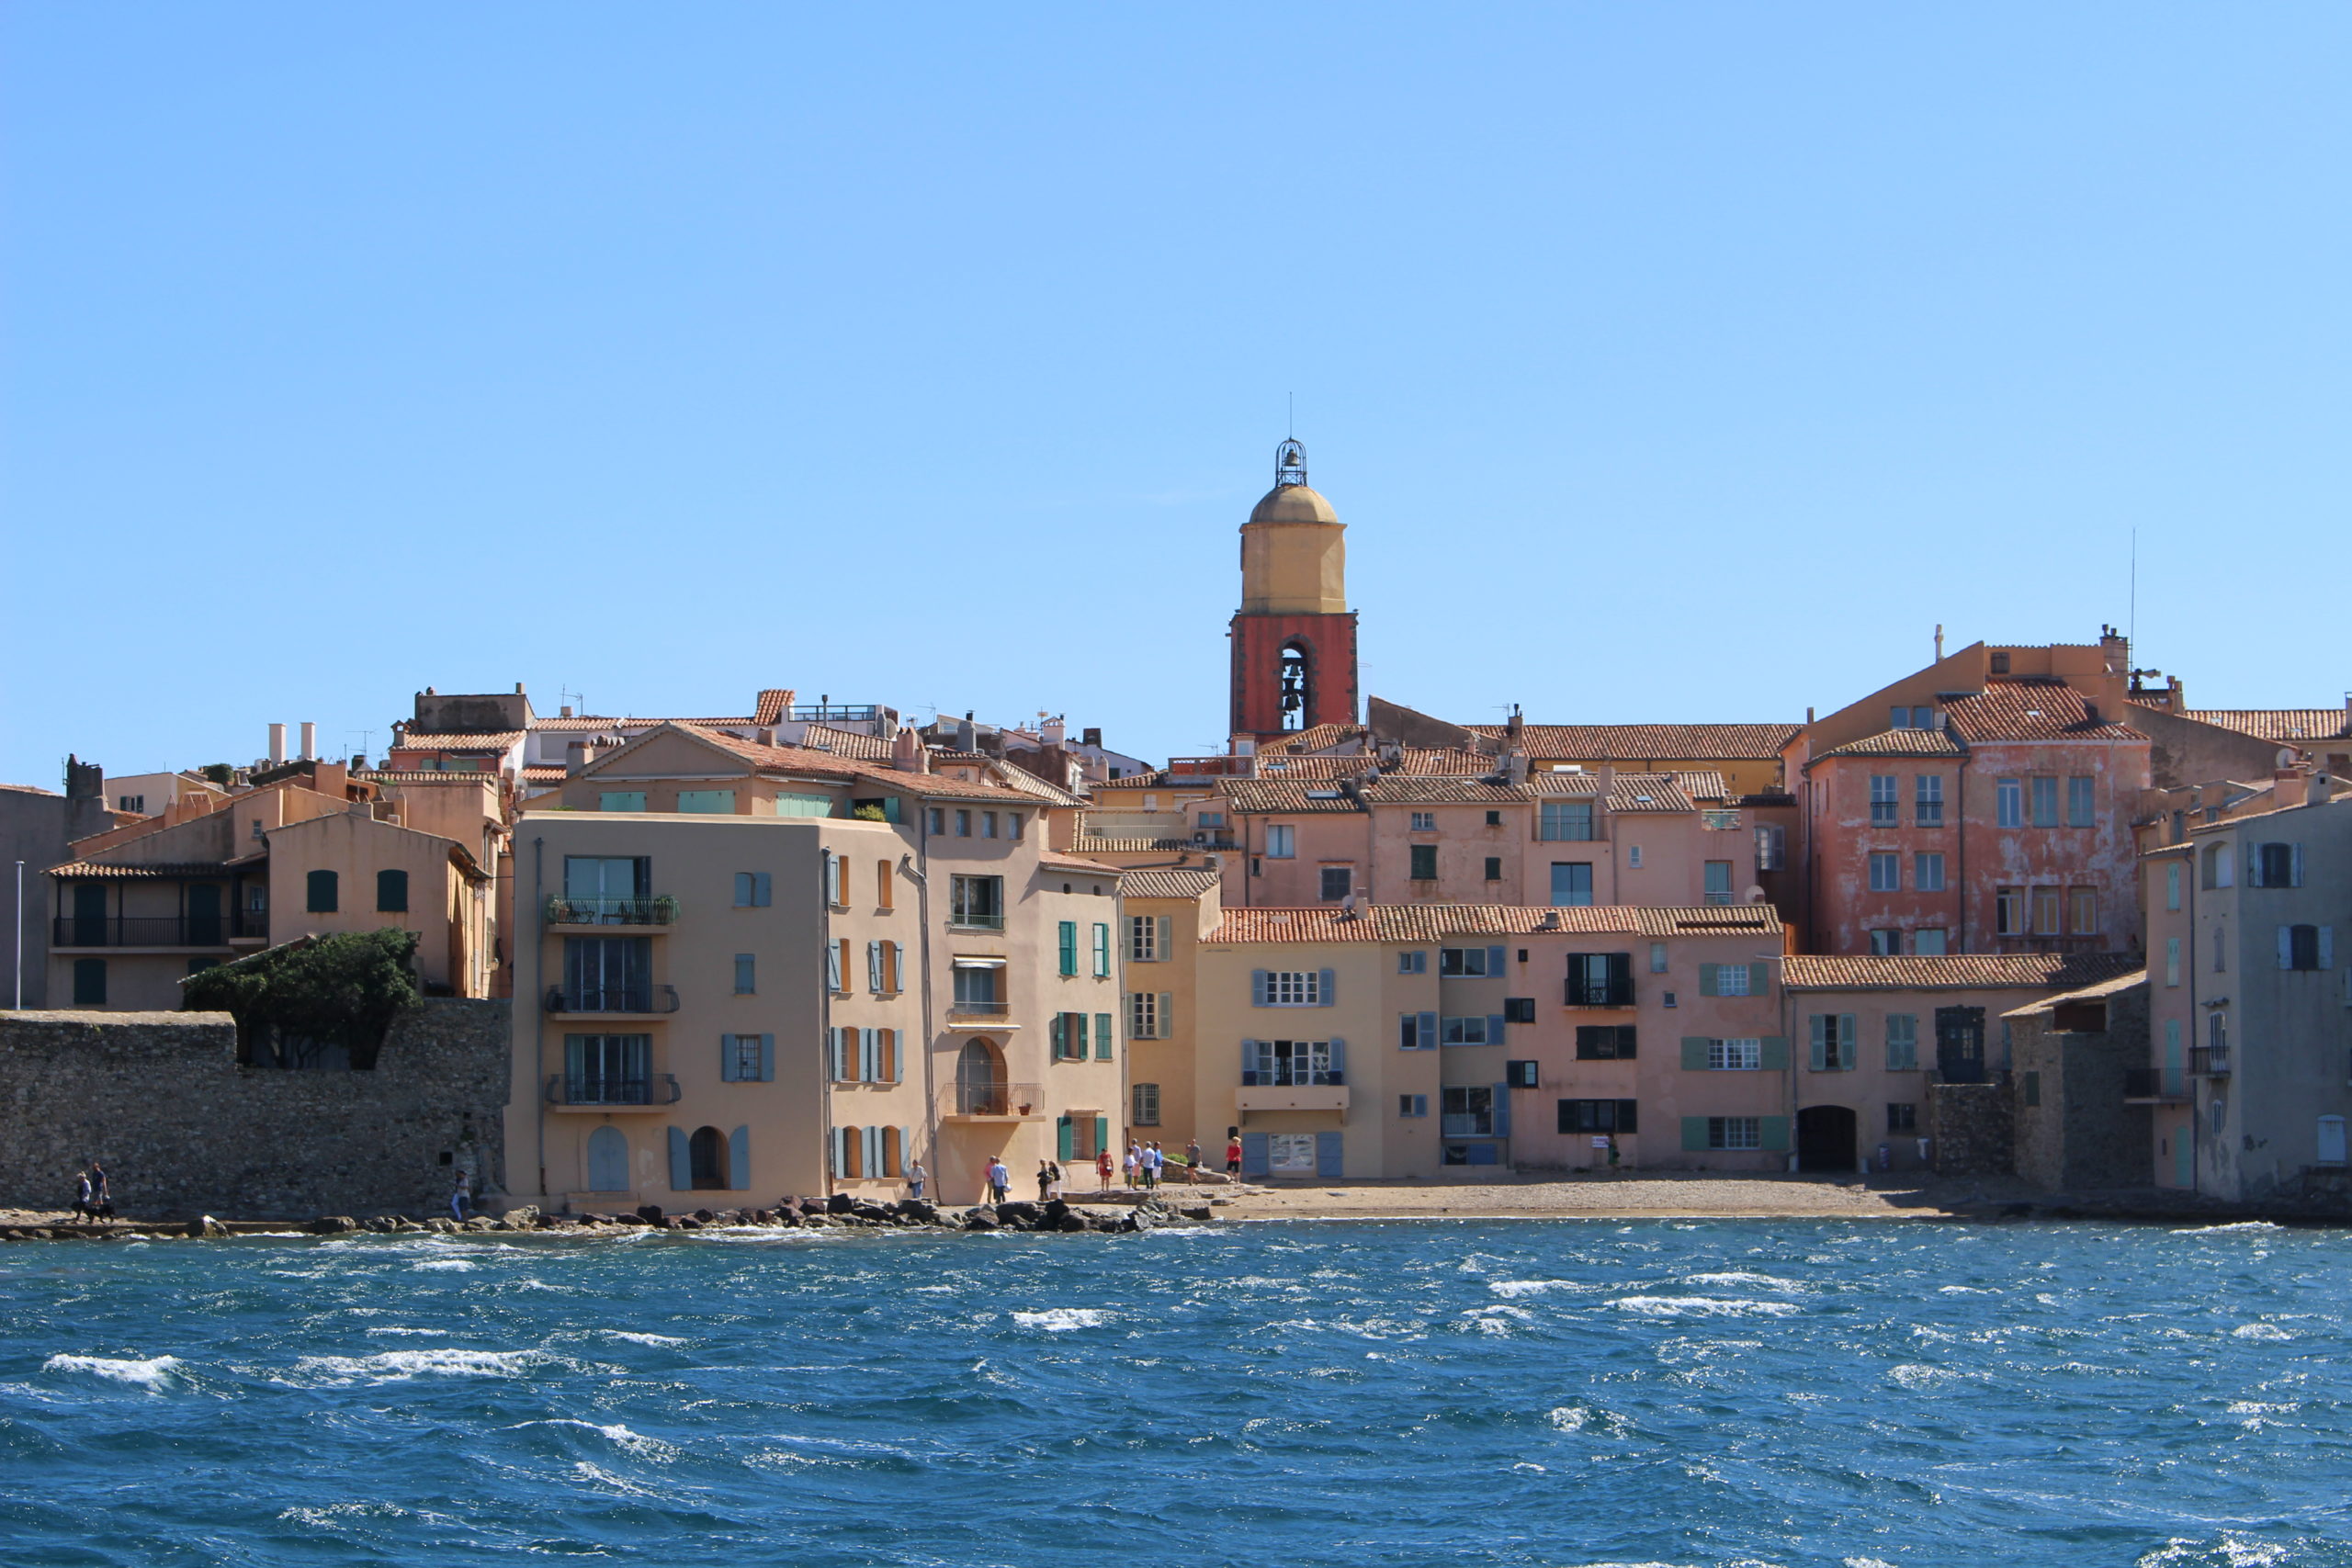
[1292, 673]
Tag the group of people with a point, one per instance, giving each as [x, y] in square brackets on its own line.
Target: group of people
[1145, 1164]
[92, 1200]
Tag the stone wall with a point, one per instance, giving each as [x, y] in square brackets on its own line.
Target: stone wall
[1971, 1126]
[159, 1099]
[2073, 1130]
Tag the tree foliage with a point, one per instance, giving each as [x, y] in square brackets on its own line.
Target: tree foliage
[344, 990]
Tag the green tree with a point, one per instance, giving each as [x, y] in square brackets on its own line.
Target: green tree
[292, 1000]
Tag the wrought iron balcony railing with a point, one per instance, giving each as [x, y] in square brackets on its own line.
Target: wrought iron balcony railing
[652, 1088]
[613, 999]
[601, 911]
[159, 930]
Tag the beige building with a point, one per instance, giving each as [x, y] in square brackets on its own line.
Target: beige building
[1165, 915]
[761, 971]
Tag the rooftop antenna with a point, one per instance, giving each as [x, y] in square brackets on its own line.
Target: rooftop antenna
[579, 701]
[1290, 423]
[2132, 618]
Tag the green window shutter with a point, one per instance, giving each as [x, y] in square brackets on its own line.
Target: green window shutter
[1847, 1037]
[1694, 1053]
[1066, 1139]
[321, 888]
[1101, 1037]
[1695, 1134]
[1166, 935]
[1078, 1037]
[1101, 1132]
[1069, 947]
[1776, 1133]
[1759, 978]
[1707, 983]
[1773, 1054]
[1054, 1028]
[392, 892]
[1164, 1021]
[1819, 1061]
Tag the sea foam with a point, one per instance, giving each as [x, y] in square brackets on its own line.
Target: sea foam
[154, 1375]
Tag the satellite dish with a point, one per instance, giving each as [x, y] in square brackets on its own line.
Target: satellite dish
[1755, 893]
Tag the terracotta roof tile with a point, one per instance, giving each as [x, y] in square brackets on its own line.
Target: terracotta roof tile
[1435, 922]
[1260, 795]
[1318, 737]
[1648, 742]
[96, 871]
[849, 769]
[1089, 844]
[439, 776]
[1443, 791]
[2280, 723]
[845, 743]
[420, 740]
[1901, 743]
[1066, 862]
[1167, 882]
[2104, 988]
[1956, 972]
[1648, 791]
[2022, 710]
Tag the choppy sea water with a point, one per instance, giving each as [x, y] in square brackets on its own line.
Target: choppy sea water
[1361, 1394]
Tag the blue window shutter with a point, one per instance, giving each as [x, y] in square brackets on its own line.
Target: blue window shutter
[742, 889]
[1776, 1133]
[1065, 1139]
[1338, 1060]
[739, 1160]
[767, 1059]
[682, 1163]
[1502, 1111]
[1330, 1155]
[873, 1152]
[1257, 1154]
[1708, 984]
[1494, 963]
[1848, 1037]
[727, 1058]
[2286, 947]
[1429, 1031]
[760, 885]
[1820, 1061]
[1759, 978]
[835, 1049]
[1329, 989]
[1695, 1134]
[841, 1151]
[1257, 987]
[898, 1054]
[1248, 1064]
[1493, 1029]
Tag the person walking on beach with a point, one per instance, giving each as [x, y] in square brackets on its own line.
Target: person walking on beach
[1191, 1162]
[101, 1195]
[1102, 1167]
[82, 1190]
[914, 1179]
[1135, 1166]
[1053, 1179]
[1045, 1182]
[1000, 1180]
[461, 1195]
[1232, 1157]
[1151, 1162]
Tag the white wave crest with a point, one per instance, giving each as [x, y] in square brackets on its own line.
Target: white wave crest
[2239, 1226]
[457, 1263]
[1534, 1287]
[154, 1375]
[2265, 1331]
[1061, 1320]
[1703, 1306]
[399, 1366]
[1753, 1281]
[1920, 1378]
[636, 1339]
[1589, 1418]
[619, 1436]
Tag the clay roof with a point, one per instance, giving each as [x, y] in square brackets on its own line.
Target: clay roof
[1955, 972]
[424, 741]
[1167, 882]
[1318, 737]
[439, 776]
[1901, 743]
[1648, 791]
[848, 770]
[1437, 922]
[1090, 844]
[1442, 791]
[1409, 761]
[2030, 710]
[845, 743]
[1076, 862]
[1648, 742]
[95, 870]
[2099, 992]
[1137, 781]
[2278, 724]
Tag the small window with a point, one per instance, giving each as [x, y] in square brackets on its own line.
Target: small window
[2033, 1089]
[1886, 944]
[2082, 809]
[1928, 941]
[753, 890]
[1411, 1105]
[1494, 818]
[1280, 841]
[1494, 868]
[2171, 886]
[1147, 1105]
[1423, 858]
[1412, 964]
[1424, 821]
[392, 892]
[1928, 873]
[1745, 1055]
[1902, 1117]
[323, 890]
[1901, 1043]
[963, 824]
[1734, 1132]
[1466, 963]
[1884, 799]
[2008, 802]
[745, 967]
[1928, 800]
[1886, 871]
[1338, 880]
[1658, 958]
[987, 824]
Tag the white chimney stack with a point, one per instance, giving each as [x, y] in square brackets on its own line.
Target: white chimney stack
[310, 739]
[277, 744]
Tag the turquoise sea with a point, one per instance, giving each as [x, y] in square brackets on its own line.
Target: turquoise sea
[1550, 1393]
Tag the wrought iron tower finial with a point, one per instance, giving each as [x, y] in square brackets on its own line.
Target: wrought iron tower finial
[1290, 464]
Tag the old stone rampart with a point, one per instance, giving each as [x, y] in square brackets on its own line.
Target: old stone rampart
[1972, 1129]
[160, 1099]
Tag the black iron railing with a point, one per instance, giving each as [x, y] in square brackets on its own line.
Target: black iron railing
[613, 999]
[2153, 1083]
[1600, 993]
[2209, 1061]
[158, 930]
[601, 911]
[650, 1089]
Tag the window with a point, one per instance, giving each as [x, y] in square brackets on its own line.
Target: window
[1283, 1063]
[987, 824]
[1633, 857]
[2172, 961]
[620, 800]
[1834, 1038]
[1467, 963]
[1658, 958]
[1928, 800]
[2301, 947]
[1067, 944]
[323, 890]
[1293, 988]
[2221, 951]
[1600, 979]
[1522, 1074]
[882, 969]
[1717, 881]
[1207, 818]
[883, 884]
[753, 890]
[2219, 868]
[1999, 663]
[2045, 800]
[976, 985]
[1410, 1105]
[1101, 949]
[1013, 824]
[746, 1058]
[1494, 868]
[746, 970]
[1423, 858]
[1143, 1015]
[1902, 1117]
[1494, 818]
[1412, 964]
[935, 821]
[1901, 1043]
[1730, 980]
[1886, 871]
[1886, 799]
[963, 824]
[2045, 912]
[392, 892]
[1518, 1009]
[1571, 884]
[1424, 821]
[1742, 1056]
[1564, 822]
[2008, 802]
[1470, 1030]
[836, 878]
[1147, 1105]
[1338, 880]
[1066, 1032]
[1145, 936]
[90, 982]
[1417, 1031]
[837, 964]
[1928, 941]
[1734, 1132]
[2275, 866]
[2033, 1089]
[2082, 910]
[2171, 886]
[1280, 841]
[1771, 846]
[1604, 1116]
[1719, 820]
[1886, 944]
[1604, 1042]
[977, 901]
[2008, 911]
[1468, 1111]
[131, 803]
[2080, 810]
[1928, 873]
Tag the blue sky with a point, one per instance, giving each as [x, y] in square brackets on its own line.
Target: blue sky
[1668, 363]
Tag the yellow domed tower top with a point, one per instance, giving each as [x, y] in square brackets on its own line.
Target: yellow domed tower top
[1293, 549]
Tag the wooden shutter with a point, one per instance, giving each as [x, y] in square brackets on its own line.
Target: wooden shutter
[1628, 1116]
[767, 1059]
[1069, 946]
[1502, 1111]
[1772, 1054]
[1102, 1133]
[1257, 1154]
[2286, 947]
[1065, 1139]
[2327, 947]
[1330, 1155]
[1495, 1027]
[1694, 1053]
[1166, 935]
[1776, 1133]
[1328, 992]
[1819, 1062]
[1708, 984]
[682, 1162]
[2294, 869]
[833, 1049]
[1163, 1022]
[1495, 961]
[727, 1058]
[894, 1148]
[760, 890]
[841, 1152]
[1429, 1031]
[898, 966]
[895, 1042]
[1759, 978]
[1848, 1038]
[1249, 1049]
[874, 967]
[1695, 1134]
[1078, 1042]
[739, 1160]
[1338, 1060]
[1103, 1037]
[1259, 987]
[872, 1165]
[832, 967]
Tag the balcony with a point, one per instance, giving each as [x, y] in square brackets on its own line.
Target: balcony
[1293, 1097]
[159, 930]
[607, 911]
[1600, 994]
[2209, 1061]
[607, 1095]
[610, 999]
[976, 921]
[977, 1012]
[2152, 1086]
[993, 1102]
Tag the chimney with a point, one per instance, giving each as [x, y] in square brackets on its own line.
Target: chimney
[83, 781]
[1517, 723]
[578, 754]
[1940, 642]
[277, 744]
[908, 753]
[2115, 651]
[766, 734]
[1052, 731]
[565, 711]
[331, 778]
[1092, 736]
[1515, 766]
[1245, 745]
[964, 734]
[518, 688]
[310, 739]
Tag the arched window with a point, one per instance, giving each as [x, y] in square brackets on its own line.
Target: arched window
[324, 893]
[707, 1159]
[1298, 680]
[980, 1080]
[392, 892]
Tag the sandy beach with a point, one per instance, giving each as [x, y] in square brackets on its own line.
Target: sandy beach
[1629, 1196]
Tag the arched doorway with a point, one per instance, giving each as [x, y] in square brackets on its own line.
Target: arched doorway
[1826, 1138]
[608, 1160]
[707, 1159]
[980, 1080]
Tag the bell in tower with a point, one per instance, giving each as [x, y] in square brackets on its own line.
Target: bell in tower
[1293, 640]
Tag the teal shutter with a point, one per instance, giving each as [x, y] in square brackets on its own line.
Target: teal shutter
[1101, 1037]
[1493, 1029]
[1078, 1046]
[1759, 978]
[761, 890]
[1329, 989]
[682, 1163]
[1054, 1036]
[1494, 962]
[1708, 984]
[739, 1160]
[1694, 1053]
[1849, 1034]
[1102, 1133]
[767, 1059]
[1065, 1138]
[1258, 987]
[1330, 1155]
[1819, 1061]
[1257, 1154]
[1694, 1135]
[1772, 1054]
[727, 1058]
[1776, 1133]
[1069, 946]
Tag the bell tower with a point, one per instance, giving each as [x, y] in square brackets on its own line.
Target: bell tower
[1295, 637]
